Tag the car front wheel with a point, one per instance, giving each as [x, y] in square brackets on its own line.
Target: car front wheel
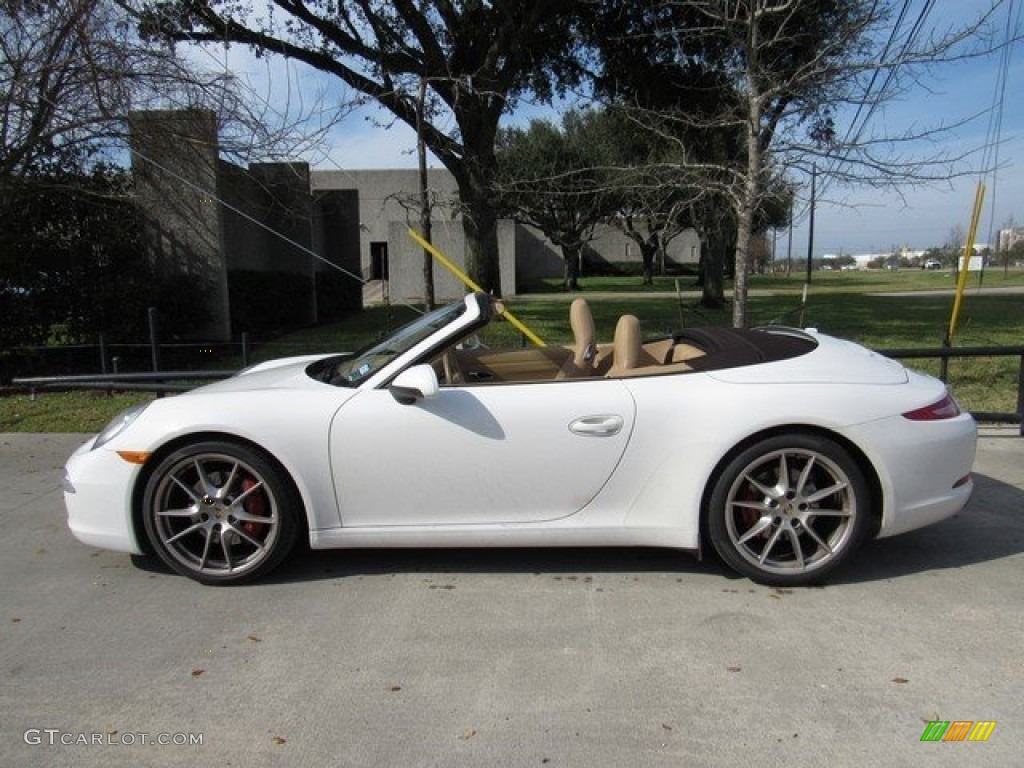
[220, 513]
[788, 510]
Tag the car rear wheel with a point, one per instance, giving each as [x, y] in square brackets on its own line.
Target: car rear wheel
[789, 510]
[220, 513]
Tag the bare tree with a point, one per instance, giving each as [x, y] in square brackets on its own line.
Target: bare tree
[476, 59]
[71, 72]
[62, 84]
[804, 78]
[955, 241]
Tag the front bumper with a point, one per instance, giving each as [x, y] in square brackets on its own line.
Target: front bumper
[98, 497]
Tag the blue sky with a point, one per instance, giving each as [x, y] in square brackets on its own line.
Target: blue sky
[847, 219]
[859, 220]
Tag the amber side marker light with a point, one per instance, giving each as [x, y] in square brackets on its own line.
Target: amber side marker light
[946, 408]
[135, 457]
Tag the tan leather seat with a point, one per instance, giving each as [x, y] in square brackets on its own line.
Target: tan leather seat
[626, 345]
[584, 347]
[628, 355]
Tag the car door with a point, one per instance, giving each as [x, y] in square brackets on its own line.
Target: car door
[500, 453]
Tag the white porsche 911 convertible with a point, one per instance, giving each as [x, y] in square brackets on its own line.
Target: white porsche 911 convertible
[782, 450]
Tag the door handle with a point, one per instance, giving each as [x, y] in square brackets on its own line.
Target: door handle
[604, 425]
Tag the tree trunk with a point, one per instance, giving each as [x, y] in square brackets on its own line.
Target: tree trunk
[648, 252]
[713, 251]
[480, 227]
[739, 300]
[479, 215]
[749, 194]
[571, 254]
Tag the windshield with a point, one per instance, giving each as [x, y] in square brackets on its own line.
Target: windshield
[352, 371]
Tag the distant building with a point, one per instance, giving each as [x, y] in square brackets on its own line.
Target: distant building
[1010, 237]
[863, 260]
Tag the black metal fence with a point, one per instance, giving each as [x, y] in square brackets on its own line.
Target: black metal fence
[162, 381]
[945, 354]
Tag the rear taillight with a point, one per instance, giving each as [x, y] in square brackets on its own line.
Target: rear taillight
[946, 408]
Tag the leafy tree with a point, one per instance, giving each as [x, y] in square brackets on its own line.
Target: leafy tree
[1016, 253]
[654, 194]
[552, 177]
[476, 58]
[670, 101]
[772, 80]
[72, 263]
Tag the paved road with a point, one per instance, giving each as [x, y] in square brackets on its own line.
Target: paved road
[510, 658]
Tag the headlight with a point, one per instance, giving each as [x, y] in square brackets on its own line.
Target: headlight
[118, 424]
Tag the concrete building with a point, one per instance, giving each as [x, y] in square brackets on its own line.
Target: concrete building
[280, 244]
[389, 206]
[262, 251]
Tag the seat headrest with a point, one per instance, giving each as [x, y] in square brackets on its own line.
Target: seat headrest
[583, 331]
[627, 342]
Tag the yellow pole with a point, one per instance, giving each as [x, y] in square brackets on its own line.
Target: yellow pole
[468, 282]
[961, 282]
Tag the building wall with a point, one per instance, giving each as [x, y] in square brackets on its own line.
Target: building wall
[175, 167]
[537, 257]
[406, 262]
[214, 219]
[336, 239]
[268, 229]
[387, 197]
[389, 206]
[259, 232]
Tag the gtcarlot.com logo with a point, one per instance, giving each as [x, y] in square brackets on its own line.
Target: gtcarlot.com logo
[958, 730]
[53, 737]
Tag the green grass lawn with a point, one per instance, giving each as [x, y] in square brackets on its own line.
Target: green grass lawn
[861, 281]
[840, 303]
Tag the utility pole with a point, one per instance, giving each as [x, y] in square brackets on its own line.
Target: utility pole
[810, 246]
[810, 231]
[789, 243]
[425, 213]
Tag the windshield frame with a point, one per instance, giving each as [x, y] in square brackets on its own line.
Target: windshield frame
[357, 369]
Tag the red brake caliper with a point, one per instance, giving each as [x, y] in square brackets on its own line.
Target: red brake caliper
[749, 516]
[255, 504]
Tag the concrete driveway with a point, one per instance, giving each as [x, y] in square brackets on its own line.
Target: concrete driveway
[510, 658]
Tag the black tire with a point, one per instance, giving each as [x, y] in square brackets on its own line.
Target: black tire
[792, 527]
[220, 513]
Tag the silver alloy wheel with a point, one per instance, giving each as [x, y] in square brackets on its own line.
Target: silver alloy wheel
[215, 514]
[791, 511]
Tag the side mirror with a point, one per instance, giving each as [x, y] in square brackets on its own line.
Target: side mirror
[413, 384]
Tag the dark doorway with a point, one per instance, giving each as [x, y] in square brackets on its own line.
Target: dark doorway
[378, 261]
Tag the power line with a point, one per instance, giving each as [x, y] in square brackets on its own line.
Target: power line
[995, 127]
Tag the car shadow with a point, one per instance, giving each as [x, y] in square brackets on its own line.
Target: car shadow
[991, 527]
[312, 565]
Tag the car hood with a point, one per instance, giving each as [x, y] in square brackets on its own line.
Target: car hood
[286, 373]
[833, 361]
